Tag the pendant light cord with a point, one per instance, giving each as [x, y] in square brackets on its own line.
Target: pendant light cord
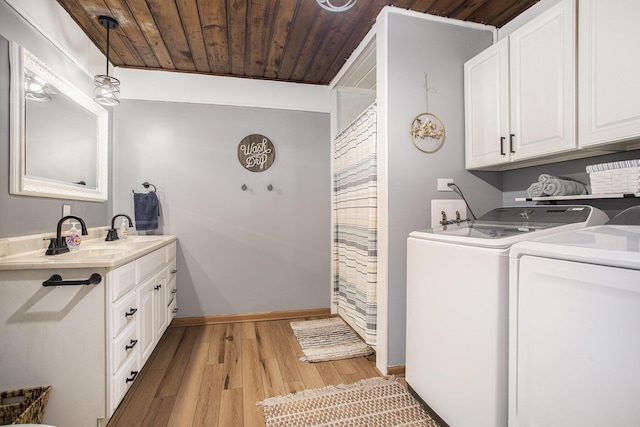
[108, 50]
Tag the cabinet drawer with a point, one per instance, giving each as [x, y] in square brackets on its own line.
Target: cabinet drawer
[123, 279]
[150, 263]
[123, 313]
[124, 346]
[122, 380]
[171, 251]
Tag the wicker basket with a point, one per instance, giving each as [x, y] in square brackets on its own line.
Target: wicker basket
[29, 410]
[622, 180]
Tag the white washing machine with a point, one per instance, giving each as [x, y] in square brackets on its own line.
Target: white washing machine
[457, 309]
[574, 327]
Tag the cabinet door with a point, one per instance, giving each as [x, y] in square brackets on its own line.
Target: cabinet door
[146, 320]
[609, 71]
[486, 93]
[543, 78]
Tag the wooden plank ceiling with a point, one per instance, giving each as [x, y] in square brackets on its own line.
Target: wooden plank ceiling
[285, 40]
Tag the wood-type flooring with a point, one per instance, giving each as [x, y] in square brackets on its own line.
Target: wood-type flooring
[213, 375]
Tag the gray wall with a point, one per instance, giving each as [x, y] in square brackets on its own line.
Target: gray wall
[239, 251]
[439, 49]
[21, 215]
[517, 181]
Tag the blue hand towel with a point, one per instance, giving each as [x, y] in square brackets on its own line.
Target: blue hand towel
[146, 209]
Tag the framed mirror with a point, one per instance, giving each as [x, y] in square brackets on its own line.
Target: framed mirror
[58, 134]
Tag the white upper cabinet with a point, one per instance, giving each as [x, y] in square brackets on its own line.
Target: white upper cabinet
[520, 98]
[609, 72]
[486, 91]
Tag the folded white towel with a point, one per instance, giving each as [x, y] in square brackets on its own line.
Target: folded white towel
[563, 187]
[544, 177]
[535, 190]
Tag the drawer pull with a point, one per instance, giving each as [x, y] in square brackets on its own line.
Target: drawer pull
[174, 290]
[134, 374]
[502, 153]
[157, 287]
[175, 310]
[174, 271]
[131, 312]
[131, 344]
[511, 148]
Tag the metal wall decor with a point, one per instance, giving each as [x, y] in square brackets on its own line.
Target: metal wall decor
[427, 130]
[256, 153]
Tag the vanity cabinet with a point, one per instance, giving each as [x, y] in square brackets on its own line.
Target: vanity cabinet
[520, 93]
[88, 342]
[608, 73]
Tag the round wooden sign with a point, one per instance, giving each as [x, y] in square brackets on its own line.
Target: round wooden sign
[256, 153]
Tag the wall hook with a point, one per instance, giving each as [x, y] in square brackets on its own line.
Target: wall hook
[269, 187]
[244, 187]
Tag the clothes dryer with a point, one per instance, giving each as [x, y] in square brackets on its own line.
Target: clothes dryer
[457, 309]
[574, 322]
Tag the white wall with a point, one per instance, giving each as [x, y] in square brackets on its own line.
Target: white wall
[239, 251]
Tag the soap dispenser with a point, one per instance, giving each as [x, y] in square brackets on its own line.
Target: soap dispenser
[124, 229]
[73, 237]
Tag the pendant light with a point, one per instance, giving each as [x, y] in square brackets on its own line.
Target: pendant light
[328, 5]
[107, 88]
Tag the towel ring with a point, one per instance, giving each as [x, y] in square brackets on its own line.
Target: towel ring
[146, 185]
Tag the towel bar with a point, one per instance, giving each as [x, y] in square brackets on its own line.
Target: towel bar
[56, 280]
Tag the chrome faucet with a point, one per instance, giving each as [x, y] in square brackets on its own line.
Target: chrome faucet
[112, 234]
[58, 244]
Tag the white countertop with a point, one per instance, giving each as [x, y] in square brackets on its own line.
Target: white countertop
[93, 252]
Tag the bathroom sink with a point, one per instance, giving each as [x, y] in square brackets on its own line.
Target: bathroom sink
[95, 252]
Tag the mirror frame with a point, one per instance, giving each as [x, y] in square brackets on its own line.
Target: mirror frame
[26, 185]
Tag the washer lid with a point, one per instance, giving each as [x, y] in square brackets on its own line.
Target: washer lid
[613, 245]
[502, 227]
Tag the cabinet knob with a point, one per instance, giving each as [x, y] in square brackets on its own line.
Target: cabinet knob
[502, 153]
[175, 310]
[157, 287]
[133, 376]
[174, 290]
[131, 312]
[131, 344]
[511, 147]
[174, 271]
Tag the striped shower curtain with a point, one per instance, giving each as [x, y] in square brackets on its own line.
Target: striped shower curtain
[355, 225]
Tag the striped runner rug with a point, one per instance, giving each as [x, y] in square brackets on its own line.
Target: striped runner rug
[328, 339]
[374, 402]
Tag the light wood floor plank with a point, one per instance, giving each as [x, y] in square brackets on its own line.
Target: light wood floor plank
[231, 412]
[184, 407]
[158, 413]
[208, 405]
[252, 385]
[216, 344]
[170, 341]
[233, 356]
[271, 378]
[172, 379]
